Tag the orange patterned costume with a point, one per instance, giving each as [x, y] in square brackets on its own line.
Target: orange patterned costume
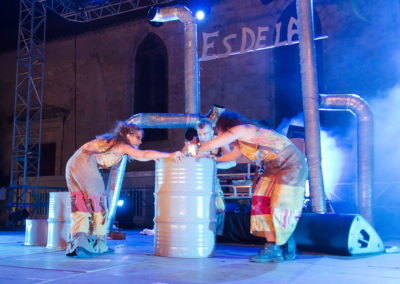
[279, 194]
[88, 199]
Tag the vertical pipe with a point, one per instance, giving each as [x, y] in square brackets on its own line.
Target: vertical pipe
[365, 128]
[365, 165]
[192, 74]
[310, 103]
[113, 190]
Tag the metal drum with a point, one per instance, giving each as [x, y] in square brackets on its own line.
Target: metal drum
[185, 208]
[59, 222]
[35, 232]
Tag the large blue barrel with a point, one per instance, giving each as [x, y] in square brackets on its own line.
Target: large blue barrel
[185, 208]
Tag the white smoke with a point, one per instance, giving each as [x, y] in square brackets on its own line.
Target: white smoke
[332, 156]
[332, 164]
[386, 113]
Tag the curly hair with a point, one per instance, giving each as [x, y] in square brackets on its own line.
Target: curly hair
[229, 119]
[120, 132]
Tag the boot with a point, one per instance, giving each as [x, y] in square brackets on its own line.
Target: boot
[270, 253]
[80, 241]
[80, 245]
[99, 233]
[289, 249]
[99, 209]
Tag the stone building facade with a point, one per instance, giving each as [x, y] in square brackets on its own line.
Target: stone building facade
[249, 62]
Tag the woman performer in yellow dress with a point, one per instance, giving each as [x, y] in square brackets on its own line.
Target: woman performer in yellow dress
[279, 194]
[86, 185]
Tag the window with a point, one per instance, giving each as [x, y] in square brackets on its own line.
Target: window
[151, 82]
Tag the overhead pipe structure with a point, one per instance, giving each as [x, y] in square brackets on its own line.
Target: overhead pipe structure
[167, 120]
[174, 120]
[164, 120]
[192, 74]
[310, 104]
[365, 128]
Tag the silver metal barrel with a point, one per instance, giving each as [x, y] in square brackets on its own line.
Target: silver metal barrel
[59, 221]
[35, 232]
[185, 208]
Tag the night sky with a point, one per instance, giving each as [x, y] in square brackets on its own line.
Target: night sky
[8, 25]
[56, 26]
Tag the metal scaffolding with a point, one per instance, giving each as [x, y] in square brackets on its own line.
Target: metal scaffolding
[89, 10]
[28, 101]
[25, 165]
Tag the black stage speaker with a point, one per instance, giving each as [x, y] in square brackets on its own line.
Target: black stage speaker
[340, 234]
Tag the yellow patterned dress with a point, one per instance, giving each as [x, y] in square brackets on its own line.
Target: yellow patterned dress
[88, 199]
[278, 198]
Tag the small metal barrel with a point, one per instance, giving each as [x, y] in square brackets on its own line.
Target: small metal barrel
[35, 232]
[59, 221]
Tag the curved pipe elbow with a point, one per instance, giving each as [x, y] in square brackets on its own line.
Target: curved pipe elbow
[351, 102]
[214, 113]
[173, 13]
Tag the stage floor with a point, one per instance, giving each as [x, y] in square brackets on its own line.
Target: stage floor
[133, 262]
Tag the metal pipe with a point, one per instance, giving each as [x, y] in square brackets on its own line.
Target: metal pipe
[310, 104]
[365, 128]
[164, 120]
[214, 113]
[192, 74]
[174, 120]
[113, 191]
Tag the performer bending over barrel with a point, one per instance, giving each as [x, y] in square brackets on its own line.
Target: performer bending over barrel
[86, 186]
[278, 197]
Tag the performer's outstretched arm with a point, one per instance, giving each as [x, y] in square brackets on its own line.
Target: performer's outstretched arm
[225, 138]
[147, 155]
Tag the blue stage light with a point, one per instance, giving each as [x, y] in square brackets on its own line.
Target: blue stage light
[200, 15]
[120, 203]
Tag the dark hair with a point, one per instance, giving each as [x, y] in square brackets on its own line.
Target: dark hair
[229, 119]
[190, 133]
[120, 132]
[203, 122]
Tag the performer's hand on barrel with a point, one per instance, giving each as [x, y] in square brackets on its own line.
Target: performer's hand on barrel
[202, 153]
[177, 156]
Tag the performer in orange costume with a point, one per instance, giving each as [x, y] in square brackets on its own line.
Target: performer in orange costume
[279, 194]
[85, 183]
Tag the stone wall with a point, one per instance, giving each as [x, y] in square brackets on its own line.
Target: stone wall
[94, 70]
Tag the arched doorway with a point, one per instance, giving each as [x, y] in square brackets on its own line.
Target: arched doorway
[151, 82]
